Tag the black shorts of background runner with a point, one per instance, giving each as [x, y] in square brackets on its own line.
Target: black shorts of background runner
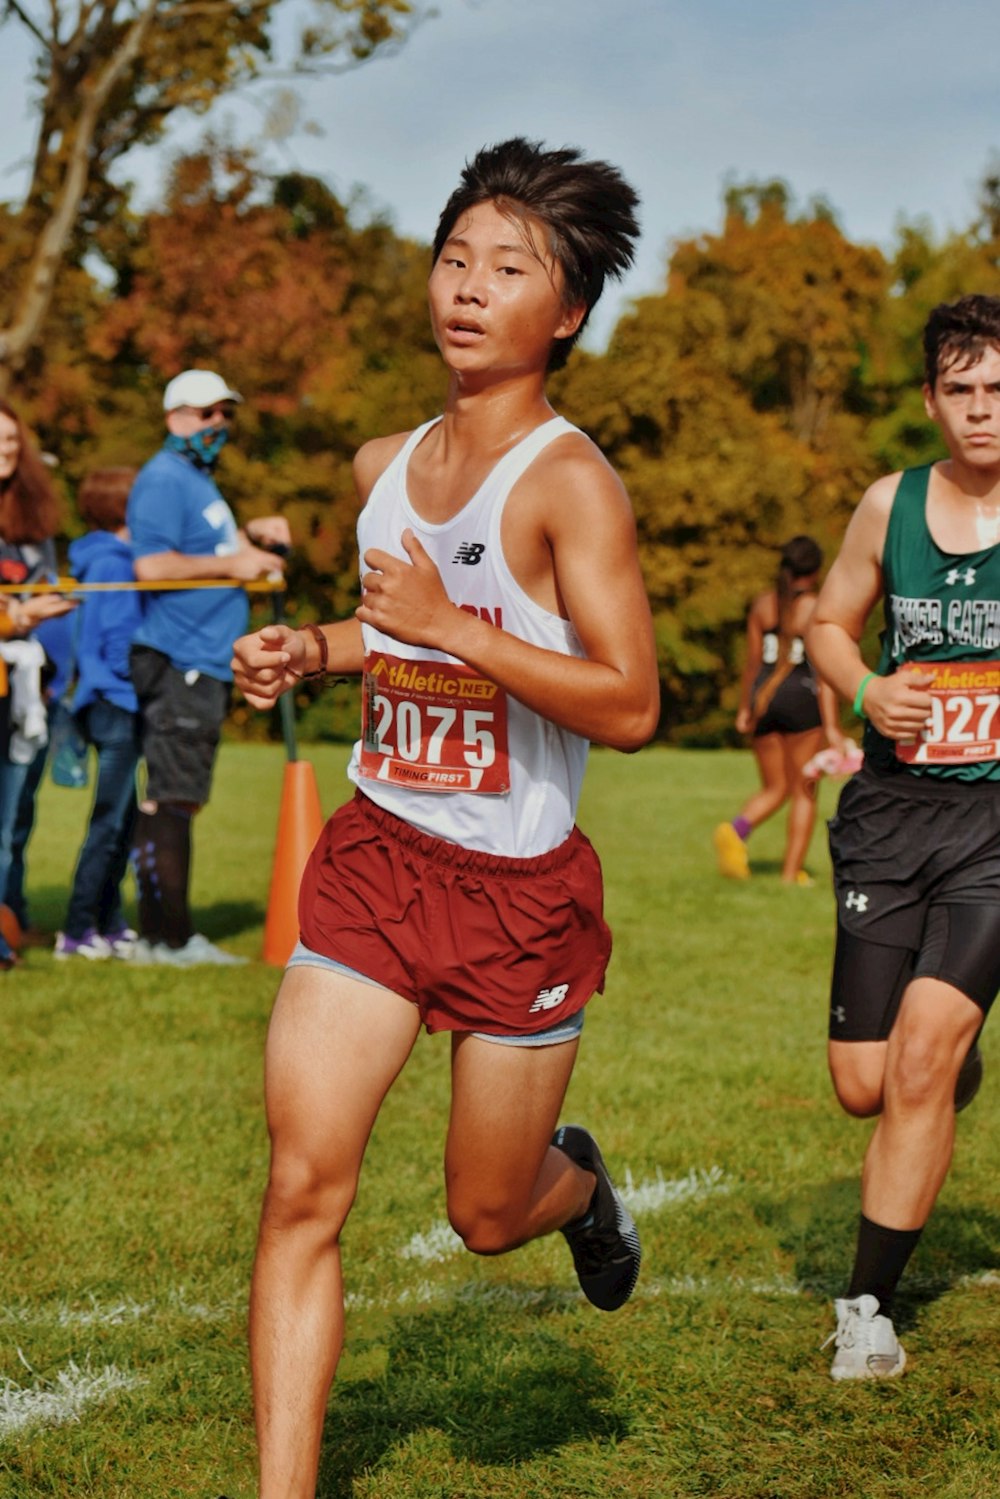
[916, 875]
[794, 708]
[181, 714]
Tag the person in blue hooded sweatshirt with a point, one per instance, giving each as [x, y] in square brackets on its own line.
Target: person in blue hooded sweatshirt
[107, 711]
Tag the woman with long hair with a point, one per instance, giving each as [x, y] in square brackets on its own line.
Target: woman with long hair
[29, 518]
[787, 710]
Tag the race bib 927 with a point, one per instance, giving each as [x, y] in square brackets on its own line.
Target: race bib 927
[433, 726]
[965, 721]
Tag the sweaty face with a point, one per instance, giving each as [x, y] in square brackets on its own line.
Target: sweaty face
[965, 402]
[10, 446]
[496, 295]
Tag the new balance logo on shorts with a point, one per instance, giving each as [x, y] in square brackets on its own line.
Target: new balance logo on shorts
[855, 901]
[548, 999]
[470, 552]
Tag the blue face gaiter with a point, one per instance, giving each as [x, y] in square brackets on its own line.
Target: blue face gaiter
[201, 448]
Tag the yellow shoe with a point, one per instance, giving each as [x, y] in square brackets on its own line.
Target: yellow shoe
[734, 861]
[804, 878]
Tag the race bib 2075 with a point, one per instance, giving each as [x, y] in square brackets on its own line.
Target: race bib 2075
[433, 726]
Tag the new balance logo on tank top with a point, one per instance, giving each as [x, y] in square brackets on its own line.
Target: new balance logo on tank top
[442, 747]
[942, 609]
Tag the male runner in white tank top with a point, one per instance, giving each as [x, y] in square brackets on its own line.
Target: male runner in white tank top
[503, 625]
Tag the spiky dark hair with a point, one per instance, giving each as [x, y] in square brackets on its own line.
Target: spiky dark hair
[586, 208]
[960, 332]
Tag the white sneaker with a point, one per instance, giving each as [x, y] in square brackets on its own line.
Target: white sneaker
[142, 952]
[867, 1347]
[122, 942]
[197, 949]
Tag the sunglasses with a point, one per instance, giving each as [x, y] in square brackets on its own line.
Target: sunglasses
[225, 409]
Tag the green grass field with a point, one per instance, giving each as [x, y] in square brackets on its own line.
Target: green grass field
[134, 1154]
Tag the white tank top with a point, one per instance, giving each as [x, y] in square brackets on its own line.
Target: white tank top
[536, 809]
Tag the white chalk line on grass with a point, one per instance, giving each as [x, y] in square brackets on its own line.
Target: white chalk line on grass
[54, 1402]
[114, 1314]
[441, 1242]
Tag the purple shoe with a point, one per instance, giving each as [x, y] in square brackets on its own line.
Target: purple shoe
[121, 941]
[91, 946]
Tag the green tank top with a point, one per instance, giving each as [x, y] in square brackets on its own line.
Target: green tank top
[941, 607]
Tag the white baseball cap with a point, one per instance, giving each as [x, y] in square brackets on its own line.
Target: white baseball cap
[197, 388]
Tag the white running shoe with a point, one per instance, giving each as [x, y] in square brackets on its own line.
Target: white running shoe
[867, 1346]
[197, 949]
[142, 952]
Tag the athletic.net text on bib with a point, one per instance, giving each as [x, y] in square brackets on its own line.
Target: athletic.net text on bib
[965, 721]
[432, 726]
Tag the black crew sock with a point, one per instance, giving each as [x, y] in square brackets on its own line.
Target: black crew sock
[882, 1256]
[161, 860]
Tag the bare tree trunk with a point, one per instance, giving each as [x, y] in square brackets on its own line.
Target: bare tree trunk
[39, 278]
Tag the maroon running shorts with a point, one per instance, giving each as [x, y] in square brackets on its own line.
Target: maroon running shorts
[476, 941]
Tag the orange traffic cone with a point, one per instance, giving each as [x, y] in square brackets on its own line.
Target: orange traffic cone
[300, 823]
[10, 928]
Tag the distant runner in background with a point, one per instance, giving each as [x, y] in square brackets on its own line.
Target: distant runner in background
[916, 838]
[789, 712]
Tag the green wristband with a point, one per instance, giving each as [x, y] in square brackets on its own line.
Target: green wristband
[859, 695]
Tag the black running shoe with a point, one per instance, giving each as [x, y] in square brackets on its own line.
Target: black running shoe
[606, 1253]
[970, 1075]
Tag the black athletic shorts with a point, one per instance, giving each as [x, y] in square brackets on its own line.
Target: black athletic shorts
[181, 714]
[916, 872]
[794, 708]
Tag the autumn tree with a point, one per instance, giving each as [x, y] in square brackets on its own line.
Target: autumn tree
[108, 75]
[926, 270]
[321, 323]
[734, 406]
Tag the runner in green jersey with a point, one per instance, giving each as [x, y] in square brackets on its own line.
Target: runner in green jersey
[916, 838]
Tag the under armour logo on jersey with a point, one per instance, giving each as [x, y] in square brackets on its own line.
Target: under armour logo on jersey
[470, 552]
[548, 999]
[966, 575]
[839, 1014]
[856, 901]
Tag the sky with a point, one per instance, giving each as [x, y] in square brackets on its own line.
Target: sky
[887, 109]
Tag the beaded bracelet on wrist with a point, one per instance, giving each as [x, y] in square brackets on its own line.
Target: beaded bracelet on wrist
[323, 668]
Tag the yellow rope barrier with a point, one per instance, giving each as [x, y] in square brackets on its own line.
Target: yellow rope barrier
[165, 585]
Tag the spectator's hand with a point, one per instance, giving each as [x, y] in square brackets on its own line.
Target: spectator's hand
[29, 612]
[899, 706]
[744, 720]
[250, 562]
[267, 663]
[269, 531]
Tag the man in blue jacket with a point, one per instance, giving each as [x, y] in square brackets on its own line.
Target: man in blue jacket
[183, 531]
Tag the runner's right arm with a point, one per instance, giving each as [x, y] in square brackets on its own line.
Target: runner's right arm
[754, 661]
[897, 705]
[276, 658]
[270, 661]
